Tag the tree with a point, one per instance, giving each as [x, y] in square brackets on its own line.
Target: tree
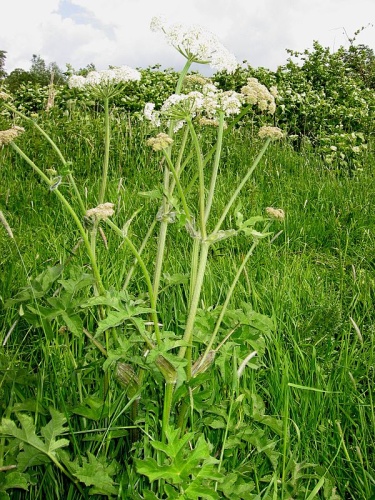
[39, 74]
[2, 63]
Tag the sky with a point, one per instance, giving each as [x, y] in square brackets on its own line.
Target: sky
[116, 32]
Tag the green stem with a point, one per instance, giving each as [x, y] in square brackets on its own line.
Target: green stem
[76, 219]
[213, 149]
[169, 387]
[107, 140]
[179, 165]
[165, 207]
[241, 185]
[145, 274]
[141, 248]
[103, 185]
[194, 267]
[188, 335]
[178, 184]
[201, 193]
[215, 169]
[57, 150]
[181, 78]
[229, 295]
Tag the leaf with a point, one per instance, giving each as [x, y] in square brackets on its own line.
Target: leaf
[35, 450]
[73, 322]
[117, 318]
[96, 472]
[38, 286]
[74, 285]
[93, 408]
[155, 194]
[14, 479]
[197, 491]
[55, 427]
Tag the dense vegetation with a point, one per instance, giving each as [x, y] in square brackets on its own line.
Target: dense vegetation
[82, 386]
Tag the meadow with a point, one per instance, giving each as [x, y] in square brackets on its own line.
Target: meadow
[243, 368]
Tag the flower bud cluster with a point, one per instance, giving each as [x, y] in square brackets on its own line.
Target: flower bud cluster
[160, 142]
[197, 45]
[275, 213]
[273, 133]
[101, 212]
[7, 136]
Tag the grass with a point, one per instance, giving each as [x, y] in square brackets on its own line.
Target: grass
[303, 415]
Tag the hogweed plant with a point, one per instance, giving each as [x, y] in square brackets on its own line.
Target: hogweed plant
[130, 332]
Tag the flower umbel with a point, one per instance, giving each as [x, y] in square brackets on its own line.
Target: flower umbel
[160, 142]
[105, 82]
[257, 94]
[101, 212]
[197, 45]
[7, 136]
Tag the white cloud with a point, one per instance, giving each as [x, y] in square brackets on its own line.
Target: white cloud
[117, 31]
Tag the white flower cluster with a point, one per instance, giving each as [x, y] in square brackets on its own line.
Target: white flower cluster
[208, 103]
[197, 45]
[258, 94]
[105, 77]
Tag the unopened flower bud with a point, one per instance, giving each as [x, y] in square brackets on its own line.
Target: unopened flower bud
[7, 136]
[160, 142]
[127, 378]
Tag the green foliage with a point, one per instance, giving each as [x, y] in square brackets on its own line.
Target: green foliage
[296, 420]
[2, 64]
[323, 98]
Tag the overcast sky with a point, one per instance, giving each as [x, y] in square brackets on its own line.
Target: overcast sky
[116, 32]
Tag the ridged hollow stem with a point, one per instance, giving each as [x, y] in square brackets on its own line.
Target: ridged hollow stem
[141, 248]
[103, 184]
[146, 275]
[56, 149]
[194, 262]
[168, 395]
[188, 334]
[229, 295]
[165, 206]
[72, 212]
[241, 185]
[215, 168]
[177, 183]
[107, 140]
[161, 237]
[179, 165]
[201, 193]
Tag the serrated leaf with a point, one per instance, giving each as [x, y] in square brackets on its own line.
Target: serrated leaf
[55, 427]
[74, 285]
[96, 472]
[14, 479]
[30, 457]
[35, 450]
